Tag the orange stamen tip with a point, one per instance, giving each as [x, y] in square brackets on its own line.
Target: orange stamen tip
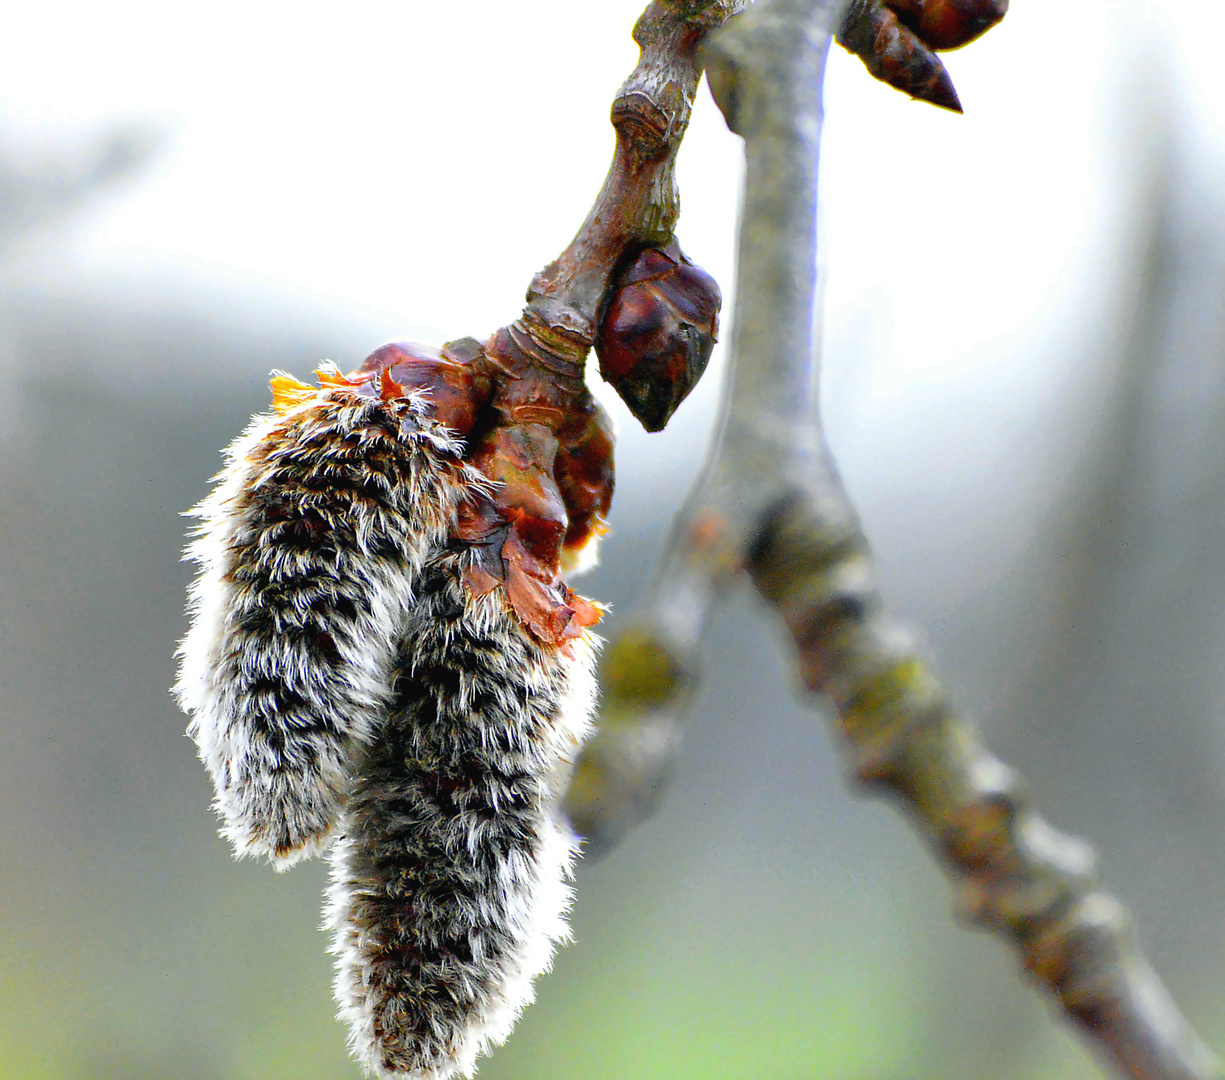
[288, 393]
[389, 389]
[330, 375]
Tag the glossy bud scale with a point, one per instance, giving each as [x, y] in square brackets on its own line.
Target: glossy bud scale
[658, 332]
[949, 24]
[456, 392]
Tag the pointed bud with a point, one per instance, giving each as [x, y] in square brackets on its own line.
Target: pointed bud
[657, 333]
[894, 54]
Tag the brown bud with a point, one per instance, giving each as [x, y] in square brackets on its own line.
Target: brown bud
[949, 24]
[583, 470]
[658, 332]
[895, 54]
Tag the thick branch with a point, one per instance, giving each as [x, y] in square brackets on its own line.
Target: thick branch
[1013, 873]
[772, 498]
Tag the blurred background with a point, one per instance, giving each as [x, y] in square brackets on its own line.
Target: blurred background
[1024, 379]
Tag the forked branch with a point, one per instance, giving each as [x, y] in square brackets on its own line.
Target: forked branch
[770, 502]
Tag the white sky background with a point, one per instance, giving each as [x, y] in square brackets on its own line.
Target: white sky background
[418, 162]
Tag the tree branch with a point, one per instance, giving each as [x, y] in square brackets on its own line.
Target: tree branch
[771, 500]
[1013, 873]
[649, 668]
[639, 203]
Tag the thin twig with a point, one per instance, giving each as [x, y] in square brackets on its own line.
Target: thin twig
[541, 436]
[639, 203]
[649, 667]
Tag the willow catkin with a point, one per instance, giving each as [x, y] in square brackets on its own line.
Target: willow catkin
[308, 549]
[448, 885]
[346, 685]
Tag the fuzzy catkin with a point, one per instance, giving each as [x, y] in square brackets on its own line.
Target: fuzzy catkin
[345, 685]
[308, 549]
[448, 889]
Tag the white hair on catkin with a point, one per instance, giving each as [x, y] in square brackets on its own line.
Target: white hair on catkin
[448, 891]
[308, 550]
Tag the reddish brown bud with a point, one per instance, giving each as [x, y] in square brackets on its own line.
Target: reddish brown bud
[658, 332]
[949, 24]
[584, 474]
[894, 54]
